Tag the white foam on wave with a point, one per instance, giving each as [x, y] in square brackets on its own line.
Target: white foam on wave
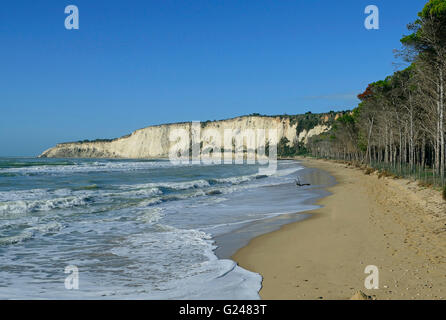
[40, 194]
[237, 179]
[185, 185]
[164, 262]
[137, 193]
[151, 215]
[30, 194]
[169, 264]
[25, 235]
[182, 265]
[96, 166]
[181, 185]
[20, 207]
[29, 233]
[49, 227]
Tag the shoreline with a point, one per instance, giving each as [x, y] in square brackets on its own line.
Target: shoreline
[392, 224]
[229, 243]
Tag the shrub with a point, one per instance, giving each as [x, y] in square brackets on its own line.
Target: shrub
[444, 192]
[424, 184]
[369, 171]
[385, 173]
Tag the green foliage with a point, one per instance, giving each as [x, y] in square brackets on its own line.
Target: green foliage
[391, 129]
[346, 119]
[434, 8]
[433, 16]
[382, 84]
[357, 111]
[301, 149]
[203, 124]
[362, 142]
[94, 141]
[307, 122]
[283, 150]
[409, 40]
[286, 151]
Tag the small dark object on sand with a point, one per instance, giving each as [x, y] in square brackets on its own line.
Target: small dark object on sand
[301, 184]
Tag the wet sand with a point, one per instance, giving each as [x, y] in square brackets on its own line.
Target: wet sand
[231, 242]
[391, 224]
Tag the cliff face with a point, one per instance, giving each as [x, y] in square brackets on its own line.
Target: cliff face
[154, 141]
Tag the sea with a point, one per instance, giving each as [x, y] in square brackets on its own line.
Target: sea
[139, 229]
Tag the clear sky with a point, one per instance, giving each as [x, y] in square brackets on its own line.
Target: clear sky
[137, 63]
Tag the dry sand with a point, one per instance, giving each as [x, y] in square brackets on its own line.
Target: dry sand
[392, 224]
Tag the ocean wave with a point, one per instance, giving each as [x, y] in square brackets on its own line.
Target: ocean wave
[183, 185]
[44, 168]
[15, 195]
[194, 184]
[16, 163]
[50, 227]
[150, 202]
[151, 215]
[88, 187]
[17, 238]
[16, 202]
[172, 197]
[27, 234]
[140, 192]
[41, 194]
[235, 180]
[183, 265]
[13, 208]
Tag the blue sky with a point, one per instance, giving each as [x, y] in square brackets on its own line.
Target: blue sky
[137, 63]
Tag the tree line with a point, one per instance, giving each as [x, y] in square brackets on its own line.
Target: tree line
[399, 125]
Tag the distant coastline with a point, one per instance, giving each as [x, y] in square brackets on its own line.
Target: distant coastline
[153, 141]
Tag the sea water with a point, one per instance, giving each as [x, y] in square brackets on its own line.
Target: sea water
[134, 229]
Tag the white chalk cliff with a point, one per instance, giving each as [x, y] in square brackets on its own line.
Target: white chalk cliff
[154, 141]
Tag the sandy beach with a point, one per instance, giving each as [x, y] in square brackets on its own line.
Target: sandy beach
[394, 225]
